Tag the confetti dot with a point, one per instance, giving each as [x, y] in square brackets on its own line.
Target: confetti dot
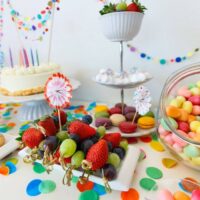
[142, 55]
[162, 61]
[13, 160]
[157, 146]
[4, 170]
[89, 195]
[47, 186]
[86, 186]
[178, 59]
[11, 166]
[99, 189]
[146, 139]
[131, 194]
[169, 163]
[154, 172]
[33, 187]
[38, 168]
[75, 179]
[11, 124]
[148, 184]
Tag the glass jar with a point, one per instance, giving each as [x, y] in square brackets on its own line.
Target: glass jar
[178, 127]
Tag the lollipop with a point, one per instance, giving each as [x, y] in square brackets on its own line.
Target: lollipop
[58, 92]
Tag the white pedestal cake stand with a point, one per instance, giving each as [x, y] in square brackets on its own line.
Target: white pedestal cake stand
[33, 106]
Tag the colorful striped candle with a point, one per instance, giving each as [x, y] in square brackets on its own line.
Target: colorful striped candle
[26, 58]
[32, 58]
[37, 58]
[21, 59]
[11, 58]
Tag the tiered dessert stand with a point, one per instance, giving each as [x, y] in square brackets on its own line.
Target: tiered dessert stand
[121, 27]
[33, 106]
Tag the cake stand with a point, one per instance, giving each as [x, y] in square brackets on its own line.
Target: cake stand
[121, 27]
[33, 106]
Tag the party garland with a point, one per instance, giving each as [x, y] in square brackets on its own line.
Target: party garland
[162, 61]
[39, 22]
[1, 32]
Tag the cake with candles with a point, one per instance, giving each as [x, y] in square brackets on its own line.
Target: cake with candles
[25, 80]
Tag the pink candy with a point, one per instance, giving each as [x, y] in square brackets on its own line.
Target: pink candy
[195, 100]
[178, 147]
[162, 131]
[185, 92]
[183, 126]
[169, 140]
[178, 140]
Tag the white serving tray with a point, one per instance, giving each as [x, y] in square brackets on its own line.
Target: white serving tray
[125, 174]
[11, 145]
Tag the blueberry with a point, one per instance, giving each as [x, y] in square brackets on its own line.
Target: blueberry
[120, 152]
[109, 172]
[110, 146]
[86, 144]
[74, 137]
[87, 119]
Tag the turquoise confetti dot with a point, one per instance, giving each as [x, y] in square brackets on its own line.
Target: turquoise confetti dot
[11, 166]
[47, 186]
[75, 179]
[162, 61]
[33, 187]
[38, 168]
[148, 58]
[184, 58]
[39, 16]
[99, 189]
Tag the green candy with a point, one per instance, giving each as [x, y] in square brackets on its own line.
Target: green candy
[47, 186]
[154, 172]
[172, 121]
[191, 151]
[148, 184]
[101, 114]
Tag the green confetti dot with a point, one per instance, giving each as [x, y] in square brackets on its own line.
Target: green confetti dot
[75, 179]
[47, 186]
[162, 61]
[154, 172]
[148, 184]
[38, 168]
[89, 195]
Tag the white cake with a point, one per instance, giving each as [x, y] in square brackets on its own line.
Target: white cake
[22, 81]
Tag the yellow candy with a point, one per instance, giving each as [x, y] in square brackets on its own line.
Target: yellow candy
[195, 91]
[194, 126]
[101, 108]
[198, 84]
[191, 118]
[179, 195]
[157, 146]
[175, 103]
[187, 106]
[181, 99]
[196, 160]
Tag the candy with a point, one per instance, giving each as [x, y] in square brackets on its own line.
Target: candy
[183, 115]
[169, 140]
[165, 194]
[89, 194]
[32, 188]
[130, 195]
[120, 105]
[183, 126]
[191, 151]
[116, 119]
[84, 186]
[184, 92]
[198, 84]
[194, 126]
[173, 112]
[178, 140]
[103, 122]
[102, 115]
[177, 147]
[181, 99]
[101, 108]
[191, 117]
[195, 91]
[195, 195]
[162, 131]
[195, 100]
[196, 110]
[47, 186]
[187, 106]
[146, 122]
[196, 161]
[179, 195]
[175, 103]
[4, 170]
[173, 123]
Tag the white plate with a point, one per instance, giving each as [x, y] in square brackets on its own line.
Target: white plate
[20, 99]
[125, 175]
[10, 146]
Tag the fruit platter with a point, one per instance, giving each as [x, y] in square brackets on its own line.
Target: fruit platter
[79, 149]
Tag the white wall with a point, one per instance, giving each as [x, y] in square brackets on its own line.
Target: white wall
[170, 28]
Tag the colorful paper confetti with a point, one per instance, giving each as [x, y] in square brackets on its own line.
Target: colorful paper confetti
[86, 186]
[131, 194]
[89, 194]
[169, 163]
[157, 146]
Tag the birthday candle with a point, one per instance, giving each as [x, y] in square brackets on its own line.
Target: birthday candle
[37, 58]
[21, 60]
[25, 58]
[11, 58]
[32, 58]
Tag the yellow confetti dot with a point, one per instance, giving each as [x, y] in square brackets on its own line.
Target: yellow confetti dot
[169, 163]
[157, 146]
[190, 54]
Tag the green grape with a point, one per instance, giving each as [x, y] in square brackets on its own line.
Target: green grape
[67, 148]
[121, 6]
[77, 158]
[124, 144]
[101, 130]
[62, 135]
[114, 160]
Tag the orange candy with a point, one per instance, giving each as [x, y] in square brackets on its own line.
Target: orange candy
[191, 118]
[86, 186]
[173, 112]
[132, 194]
[4, 170]
[183, 115]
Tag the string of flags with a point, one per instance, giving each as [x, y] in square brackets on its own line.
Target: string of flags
[162, 61]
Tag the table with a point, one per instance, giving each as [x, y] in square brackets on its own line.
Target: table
[13, 186]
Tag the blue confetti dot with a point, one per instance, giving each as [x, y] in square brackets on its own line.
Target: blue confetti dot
[11, 166]
[24, 127]
[182, 188]
[148, 58]
[178, 59]
[99, 189]
[33, 187]
[143, 55]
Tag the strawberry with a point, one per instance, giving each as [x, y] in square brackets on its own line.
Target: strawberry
[63, 116]
[32, 137]
[80, 128]
[136, 6]
[98, 154]
[49, 126]
[114, 138]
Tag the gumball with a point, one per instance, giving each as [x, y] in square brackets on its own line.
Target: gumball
[195, 195]
[198, 84]
[184, 92]
[173, 112]
[195, 100]
[192, 134]
[183, 126]
[181, 99]
[196, 110]
[187, 106]
[162, 131]
[183, 115]
[177, 148]
[191, 118]
[175, 103]
[178, 140]
[169, 140]
[194, 126]
[195, 91]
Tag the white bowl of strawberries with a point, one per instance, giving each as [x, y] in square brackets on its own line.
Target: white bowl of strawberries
[121, 22]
